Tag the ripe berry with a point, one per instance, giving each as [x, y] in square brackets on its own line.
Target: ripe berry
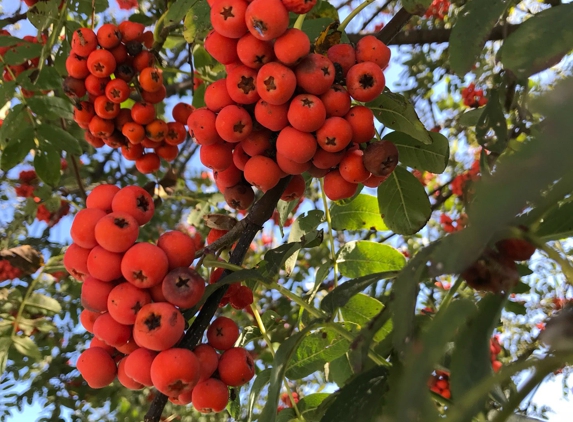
[236, 367]
[267, 19]
[144, 265]
[210, 396]
[97, 367]
[143, 113]
[84, 41]
[239, 196]
[134, 132]
[374, 181]
[209, 360]
[181, 112]
[151, 79]
[75, 261]
[104, 265]
[87, 319]
[242, 298]
[306, 113]
[233, 123]
[105, 108]
[240, 157]
[371, 49]
[116, 232]
[315, 74]
[257, 143]
[167, 152]
[77, 66]
[273, 117]
[344, 55]
[229, 177]
[262, 172]
[381, 158]
[130, 31]
[124, 379]
[515, 249]
[124, 302]
[94, 294]
[223, 49]
[241, 85]
[289, 166]
[292, 46]
[183, 287]
[74, 88]
[179, 248]
[158, 326]
[112, 332]
[335, 135]
[101, 197]
[336, 101]
[217, 96]
[108, 36]
[228, 17]
[294, 190]
[275, 83]
[202, 127]
[121, 56]
[101, 63]
[299, 6]
[365, 81]
[253, 52]
[143, 60]
[156, 130]
[217, 156]
[138, 365]
[135, 201]
[117, 91]
[82, 230]
[175, 371]
[296, 145]
[352, 168]
[361, 120]
[222, 333]
[336, 187]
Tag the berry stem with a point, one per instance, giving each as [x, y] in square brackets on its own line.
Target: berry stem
[299, 21]
[353, 14]
[451, 293]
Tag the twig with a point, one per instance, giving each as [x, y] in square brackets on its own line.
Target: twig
[379, 10]
[394, 26]
[78, 178]
[260, 213]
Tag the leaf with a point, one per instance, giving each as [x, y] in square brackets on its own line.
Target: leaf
[18, 148]
[8, 41]
[282, 357]
[43, 14]
[339, 370]
[44, 302]
[196, 21]
[416, 7]
[234, 406]
[395, 112]
[360, 214]
[309, 406]
[304, 224]
[85, 6]
[411, 396]
[23, 52]
[360, 257]
[470, 118]
[471, 356]
[259, 383]
[360, 309]
[515, 307]
[13, 123]
[199, 96]
[362, 399]
[59, 138]
[5, 343]
[47, 164]
[27, 347]
[23, 257]
[340, 296]
[377, 329]
[51, 107]
[47, 78]
[403, 202]
[275, 259]
[329, 37]
[520, 178]
[492, 119]
[540, 42]
[557, 224]
[471, 31]
[413, 153]
[315, 350]
[7, 91]
[178, 9]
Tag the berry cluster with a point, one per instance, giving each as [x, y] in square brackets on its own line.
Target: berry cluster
[473, 97]
[460, 182]
[287, 401]
[121, 51]
[494, 351]
[52, 217]
[237, 295]
[282, 110]
[12, 71]
[440, 384]
[450, 225]
[438, 10]
[8, 272]
[134, 294]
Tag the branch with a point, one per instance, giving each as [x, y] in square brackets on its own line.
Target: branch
[261, 212]
[16, 18]
[429, 36]
[394, 26]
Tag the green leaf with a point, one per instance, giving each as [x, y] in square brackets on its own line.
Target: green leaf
[432, 157]
[309, 406]
[34, 80]
[360, 310]
[23, 52]
[18, 148]
[360, 258]
[196, 22]
[314, 27]
[492, 119]
[141, 18]
[46, 303]
[287, 415]
[340, 296]
[199, 96]
[557, 224]
[471, 30]
[360, 214]
[471, 356]
[5, 343]
[304, 224]
[201, 58]
[403, 202]
[411, 396]
[47, 164]
[315, 350]
[259, 383]
[471, 118]
[85, 6]
[275, 259]
[377, 329]
[416, 7]
[362, 399]
[540, 42]
[516, 308]
[282, 357]
[8, 41]
[339, 370]
[177, 11]
[51, 107]
[60, 139]
[27, 347]
[396, 112]
[7, 91]
[234, 406]
[43, 14]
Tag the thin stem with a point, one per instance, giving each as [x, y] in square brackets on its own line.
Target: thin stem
[299, 21]
[330, 232]
[93, 14]
[451, 293]
[353, 14]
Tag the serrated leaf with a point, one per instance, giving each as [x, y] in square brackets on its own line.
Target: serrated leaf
[43, 14]
[315, 350]
[361, 399]
[59, 138]
[413, 153]
[471, 30]
[51, 107]
[304, 224]
[492, 119]
[471, 356]
[362, 213]
[360, 258]
[44, 302]
[27, 347]
[396, 112]
[47, 164]
[403, 202]
[340, 296]
[261, 380]
[540, 42]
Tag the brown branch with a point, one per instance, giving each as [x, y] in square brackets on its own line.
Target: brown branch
[16, 18]
[430, 36]
[261, 212]
[395, 25]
